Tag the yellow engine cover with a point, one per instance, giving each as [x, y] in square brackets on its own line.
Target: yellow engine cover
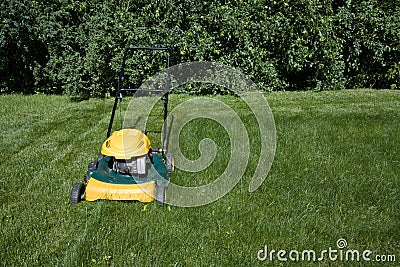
[125, 144]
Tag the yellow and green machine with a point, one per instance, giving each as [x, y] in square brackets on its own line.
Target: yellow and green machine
[128, 168]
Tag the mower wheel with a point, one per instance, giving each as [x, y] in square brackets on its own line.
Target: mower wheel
[160, 194]
[77, 193]
[169, 163]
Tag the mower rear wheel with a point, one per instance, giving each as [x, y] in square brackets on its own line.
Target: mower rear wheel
[169, 163]
[77, 193]
[160, 194]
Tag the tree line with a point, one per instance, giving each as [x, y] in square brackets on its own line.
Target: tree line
[75, 47]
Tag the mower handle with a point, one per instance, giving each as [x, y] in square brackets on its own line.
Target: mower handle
[132, 47]
[120, 89]
[160, 47]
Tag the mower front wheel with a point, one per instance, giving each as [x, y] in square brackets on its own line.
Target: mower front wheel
[77, 193]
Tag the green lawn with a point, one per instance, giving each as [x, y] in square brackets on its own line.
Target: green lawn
[335, 175]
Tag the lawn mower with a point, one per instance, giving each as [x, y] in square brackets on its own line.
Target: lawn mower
[128, 168]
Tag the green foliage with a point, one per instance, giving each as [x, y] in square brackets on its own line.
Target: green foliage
[75, 47]
[20, 51]
[371, 33]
